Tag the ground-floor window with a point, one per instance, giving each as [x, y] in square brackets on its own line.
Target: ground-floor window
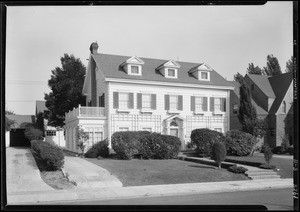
[218, 129]
[50, 133]
[147, 129]
[123, 128]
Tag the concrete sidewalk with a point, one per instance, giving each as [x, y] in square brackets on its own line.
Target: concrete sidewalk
[25, 186]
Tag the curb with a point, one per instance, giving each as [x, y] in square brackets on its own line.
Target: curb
[146, 191]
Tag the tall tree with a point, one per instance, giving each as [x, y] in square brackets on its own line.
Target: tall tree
[66, 84]
[238, 77]
[273, 67]
[291, 65]
[254, 69]
[247, 113]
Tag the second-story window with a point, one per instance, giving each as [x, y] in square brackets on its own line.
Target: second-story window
[173, 102]
[204, 75]
[171, 72]
[217, 104]
[235, 108]
[284, 107]
[199, 103]
[146, 101]
[123, 100]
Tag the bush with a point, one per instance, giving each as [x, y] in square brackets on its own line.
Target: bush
[203, 139]
[126, 144]
[51, 155]
[267, 153]
[239, 143]
[148, 145]
[279, 150]
[267, 166]
[33, 133]
[218, 152]
[98, 149]
[237, 169]
[290, 150]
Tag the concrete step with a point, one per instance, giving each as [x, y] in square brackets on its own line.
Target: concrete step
[265, 177]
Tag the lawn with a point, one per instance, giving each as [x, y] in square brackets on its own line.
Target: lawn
[137, 172]
[285, 165]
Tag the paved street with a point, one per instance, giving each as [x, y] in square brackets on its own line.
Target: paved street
[273, 199]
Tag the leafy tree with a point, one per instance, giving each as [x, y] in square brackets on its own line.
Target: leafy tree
[273, 67]
[238, 77]
[291, 65]
[40, 122]
[254, 69]
[9, 112]
[66, 84]
[218, 153]
[8, 123]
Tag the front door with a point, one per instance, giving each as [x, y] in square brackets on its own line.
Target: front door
[174, 132]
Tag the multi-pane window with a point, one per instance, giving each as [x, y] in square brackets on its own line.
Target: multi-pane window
[149, 129]
[146, 100]
[173, 102]
[123, 128]
[50, 133]
[171, 72]
[199, 103]
[123, 100]
[217, 104]
[284, 107]
[134, 69]
[235, 108]
[98, 136]
[218, 129]
[204, 75]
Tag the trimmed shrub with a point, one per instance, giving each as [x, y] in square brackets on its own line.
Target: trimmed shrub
[218, 153]
[98, 149]
[239, 143]
[268, 154]
[51, 155]
[203, 139]
[290, 150]
[279, 150]
[126, 144]
[267, 166]
[237, 169]
[148, 145]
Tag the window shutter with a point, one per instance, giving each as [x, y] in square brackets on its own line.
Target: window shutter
[153, 101]
[223, 104]
[167, 102]
[115, 100]
[204, 103]
[103, 100]
[100, 101]
[192, 103]
[130, 106]
[180, 103]
[212, 104]
[139, 100]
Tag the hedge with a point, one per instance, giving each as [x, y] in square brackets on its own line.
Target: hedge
[204, 138]
[279, 150]
[239, 143]
[51, 155]
[98, 149]
[148, 145]
[237, 169]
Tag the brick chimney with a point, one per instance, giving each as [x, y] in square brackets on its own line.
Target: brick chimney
[94, 47]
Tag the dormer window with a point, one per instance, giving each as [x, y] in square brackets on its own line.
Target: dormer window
[133, 66]
[201, 72]
[135, 70]
[169, 69]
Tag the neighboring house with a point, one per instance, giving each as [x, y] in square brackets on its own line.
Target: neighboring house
[52, 134]
[16, 136]
[131, 93]
[273, 99]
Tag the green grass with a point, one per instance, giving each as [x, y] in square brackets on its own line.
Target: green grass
[284, 165]
[137, 172]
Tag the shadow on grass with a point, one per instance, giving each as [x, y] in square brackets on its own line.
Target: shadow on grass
[202, 167]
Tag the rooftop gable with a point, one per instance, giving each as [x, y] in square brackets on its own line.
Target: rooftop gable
[263, 83]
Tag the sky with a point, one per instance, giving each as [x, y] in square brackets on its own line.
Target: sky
[227, 38]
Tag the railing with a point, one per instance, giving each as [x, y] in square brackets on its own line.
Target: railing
[85, 112]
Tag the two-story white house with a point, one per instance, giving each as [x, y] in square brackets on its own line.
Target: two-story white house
[130, 93]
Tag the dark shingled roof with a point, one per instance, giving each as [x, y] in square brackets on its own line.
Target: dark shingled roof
[263, 83]
[110, 66]
[40, 107]
[280, 85]
[19, 119]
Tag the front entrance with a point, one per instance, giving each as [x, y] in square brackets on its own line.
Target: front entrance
[174, 126]
[174, 132]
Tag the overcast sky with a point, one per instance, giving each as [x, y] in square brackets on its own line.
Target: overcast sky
[227, 38]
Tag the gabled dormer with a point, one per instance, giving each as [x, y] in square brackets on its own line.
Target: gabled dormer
[201, 72]
[133, 66]
[169, 69]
